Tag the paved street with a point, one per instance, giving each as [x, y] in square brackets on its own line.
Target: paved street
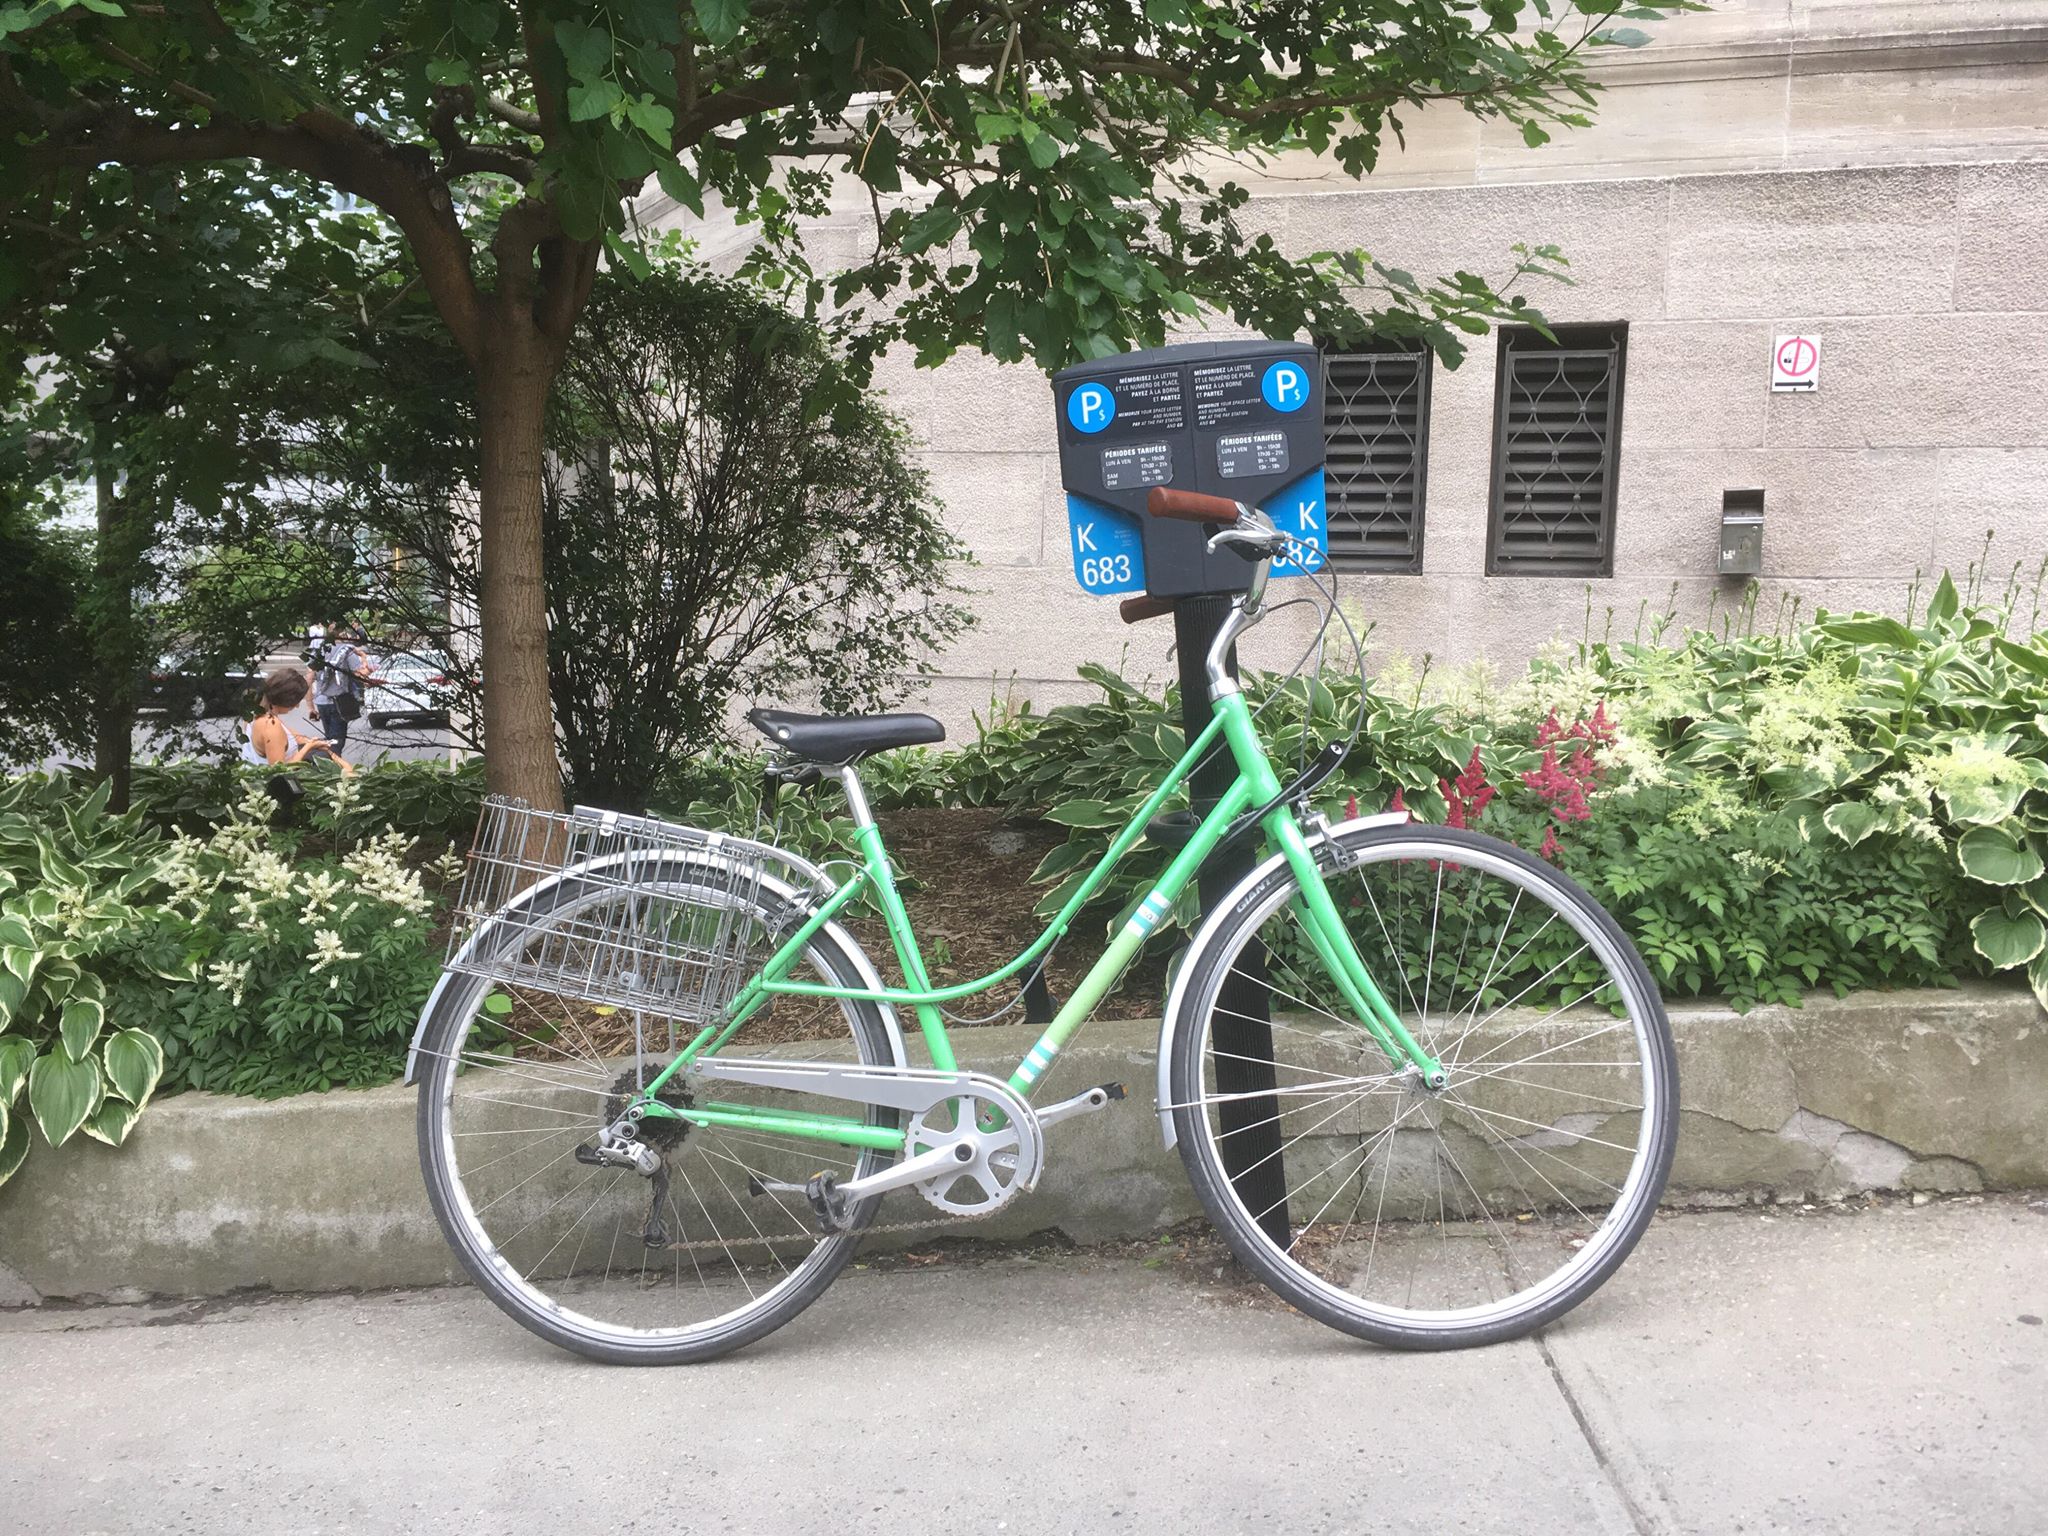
[1870, 1372]
[214, 737]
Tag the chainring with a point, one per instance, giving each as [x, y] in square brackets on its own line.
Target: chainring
[992, 1177]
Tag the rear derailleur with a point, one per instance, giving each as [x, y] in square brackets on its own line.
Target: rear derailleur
[632, 1140]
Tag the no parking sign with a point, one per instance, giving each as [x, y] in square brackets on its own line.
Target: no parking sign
[1795, 365]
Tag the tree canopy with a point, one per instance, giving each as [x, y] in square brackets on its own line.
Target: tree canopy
[1046, 181]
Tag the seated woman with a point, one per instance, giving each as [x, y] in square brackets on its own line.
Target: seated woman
[272, 740]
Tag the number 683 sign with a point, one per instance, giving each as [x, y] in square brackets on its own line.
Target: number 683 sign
[1109, 551]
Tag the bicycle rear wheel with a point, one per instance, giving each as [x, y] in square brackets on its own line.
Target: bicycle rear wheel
[602, 1260]
[1421, 1218]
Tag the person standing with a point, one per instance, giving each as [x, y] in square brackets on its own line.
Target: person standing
[338, 686]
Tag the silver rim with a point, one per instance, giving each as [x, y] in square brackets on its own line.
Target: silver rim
[1484, 1203]
[518, 1085]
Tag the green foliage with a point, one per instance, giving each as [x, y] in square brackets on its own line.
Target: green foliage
[1920, 749]
[288, 971]
[43, 579]
[434, 802]
[73, 1056]
[230, 954]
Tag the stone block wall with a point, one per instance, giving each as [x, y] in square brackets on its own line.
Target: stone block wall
[1874, 173]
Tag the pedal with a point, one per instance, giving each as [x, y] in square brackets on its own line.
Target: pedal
[1088, 1103]
[827, 1203]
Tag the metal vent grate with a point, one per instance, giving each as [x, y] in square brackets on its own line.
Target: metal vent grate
[1557, 425]
[1376, 429]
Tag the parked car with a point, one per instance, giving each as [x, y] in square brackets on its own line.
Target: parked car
[181, 690]
[414, 689]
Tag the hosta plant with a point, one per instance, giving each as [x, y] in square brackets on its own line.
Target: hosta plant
[71, 1061]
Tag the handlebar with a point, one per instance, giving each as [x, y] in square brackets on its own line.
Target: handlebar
[1193, 507]
[1135, 610]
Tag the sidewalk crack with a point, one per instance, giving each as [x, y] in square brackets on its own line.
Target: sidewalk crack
[1641, 1521]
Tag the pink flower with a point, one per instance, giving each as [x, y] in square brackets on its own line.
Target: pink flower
[1549, 850]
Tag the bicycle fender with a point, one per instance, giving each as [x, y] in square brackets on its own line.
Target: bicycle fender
[1206, 935]
[869, 976]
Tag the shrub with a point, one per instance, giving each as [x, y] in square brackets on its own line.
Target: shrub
[288, 973]
[71, 1055]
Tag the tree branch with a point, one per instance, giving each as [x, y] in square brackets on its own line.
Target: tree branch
[319, 144]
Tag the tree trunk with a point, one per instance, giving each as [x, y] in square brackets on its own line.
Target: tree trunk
[115, 663]
[519, 723]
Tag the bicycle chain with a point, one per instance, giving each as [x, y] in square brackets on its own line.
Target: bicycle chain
[868, 1231]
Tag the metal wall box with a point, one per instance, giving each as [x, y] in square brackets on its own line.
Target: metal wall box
[1742, 533]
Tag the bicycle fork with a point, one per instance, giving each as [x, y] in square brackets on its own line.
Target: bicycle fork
[1316, 910]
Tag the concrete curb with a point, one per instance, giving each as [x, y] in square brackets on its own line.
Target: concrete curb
[1905, 1091]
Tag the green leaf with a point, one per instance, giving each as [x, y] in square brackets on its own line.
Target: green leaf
[2037, 978]
[497, 1005]
[13, 1145]
[1983, 804]
[2006, 940]
[586, 50]
[62, 1092]
[720, 19]
[15, 933]
[134, 1061]
[1851, 821]
[1869, 631]
[80, 1025]
[478, 19]
[1082, 813]
[20, 963]
[592, 101]
[1996, 857]
[15, 1056]
[1044, 151]
[2032, 658]
[1946, 600]
[111, 1122]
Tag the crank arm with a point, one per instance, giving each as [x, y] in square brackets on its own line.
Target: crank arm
[1081, 1104]
[912, 1170]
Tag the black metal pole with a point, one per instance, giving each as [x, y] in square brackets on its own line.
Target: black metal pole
[1241, 1032]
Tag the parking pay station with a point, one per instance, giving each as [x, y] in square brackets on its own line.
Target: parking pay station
[1242, 419]
[1238, 419]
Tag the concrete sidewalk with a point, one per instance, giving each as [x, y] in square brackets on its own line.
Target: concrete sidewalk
[1872, 1371]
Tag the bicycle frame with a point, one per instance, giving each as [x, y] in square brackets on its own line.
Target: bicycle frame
[1256, 784]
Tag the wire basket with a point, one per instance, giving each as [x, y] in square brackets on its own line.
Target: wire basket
[616, 910]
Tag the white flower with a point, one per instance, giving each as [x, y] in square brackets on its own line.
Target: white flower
[229, 976]
[327, 950]
[320, 890]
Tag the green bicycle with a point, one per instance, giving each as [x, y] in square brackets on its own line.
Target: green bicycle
[663, 1090]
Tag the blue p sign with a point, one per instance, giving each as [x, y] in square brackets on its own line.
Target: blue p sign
[1285, 387]
[1091, 408]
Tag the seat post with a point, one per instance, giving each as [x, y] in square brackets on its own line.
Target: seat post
[856, 797]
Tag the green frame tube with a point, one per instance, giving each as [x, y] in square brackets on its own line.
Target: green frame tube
[1256, 784]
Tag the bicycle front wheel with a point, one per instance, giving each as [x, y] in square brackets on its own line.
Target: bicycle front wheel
[1419, 1217]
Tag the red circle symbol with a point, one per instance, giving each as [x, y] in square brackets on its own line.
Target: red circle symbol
[1797, 356]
